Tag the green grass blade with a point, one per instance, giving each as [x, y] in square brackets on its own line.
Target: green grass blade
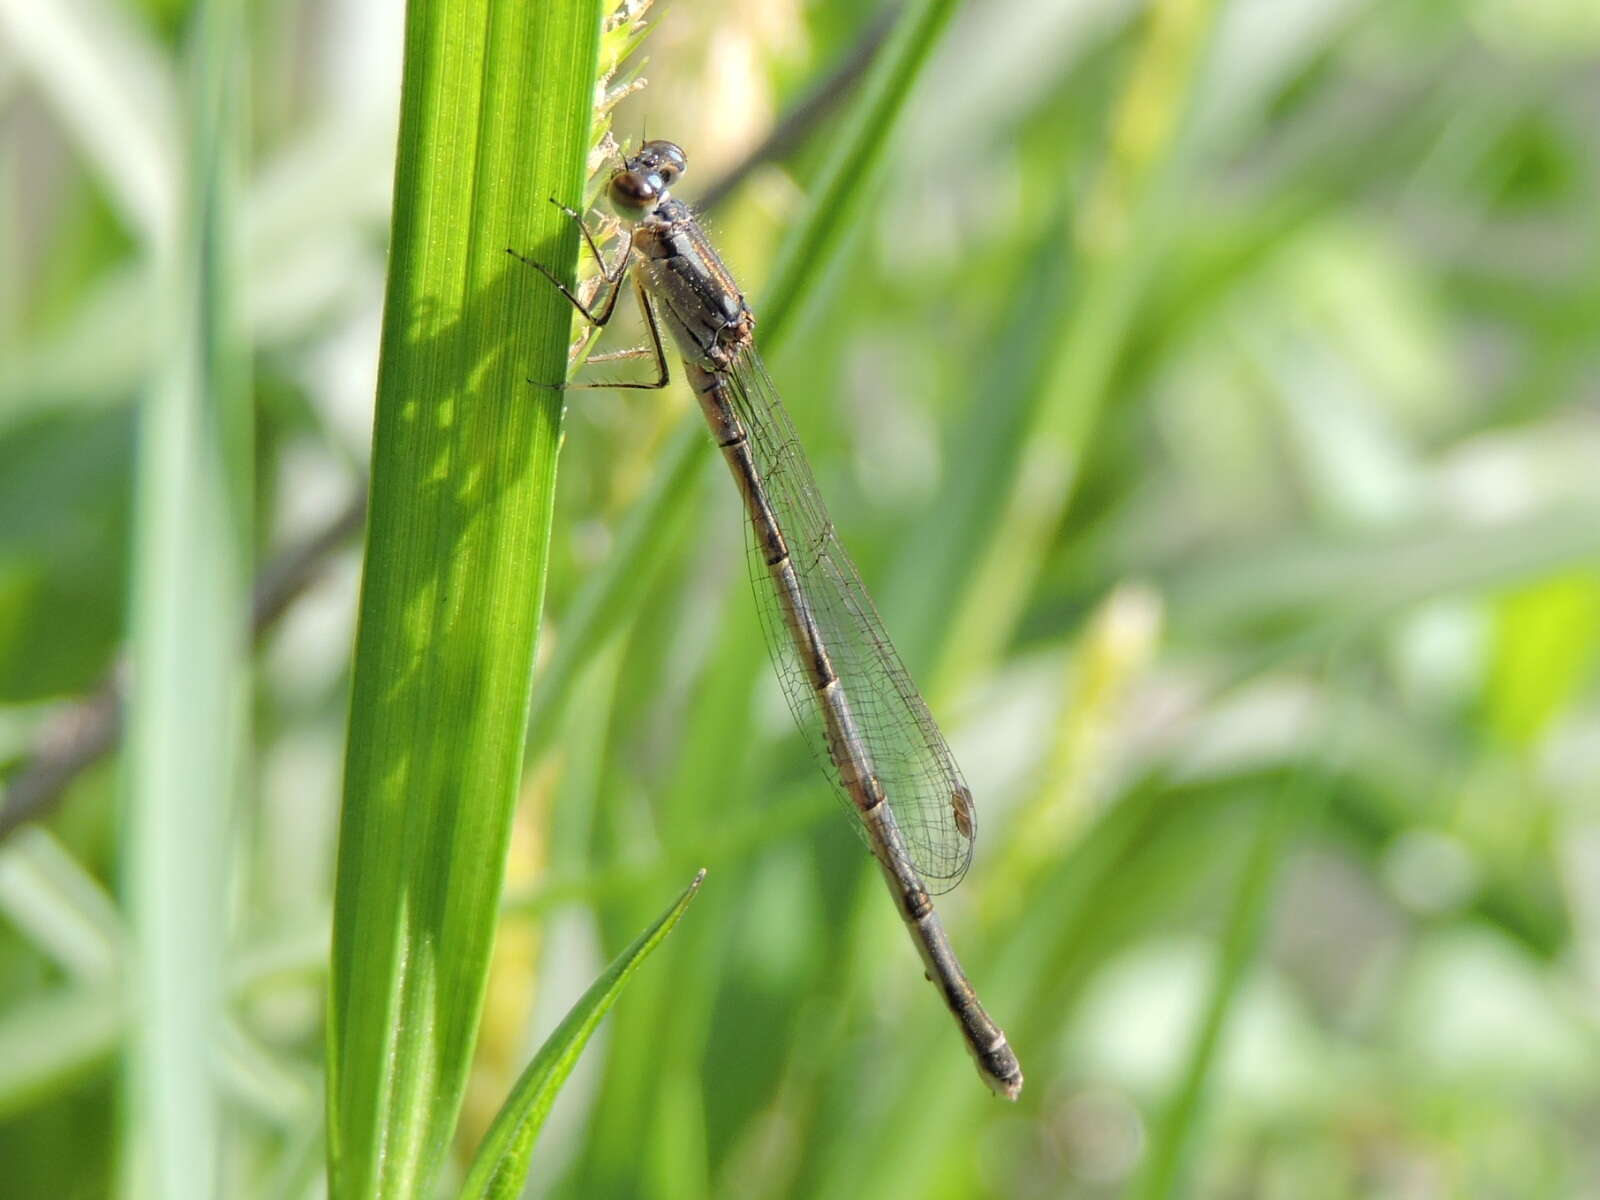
[501, 1165]
[109, 80]
[607, 597]
[63, 910]
[850, 175]
[52, 1040]
[1167, 1165]
[1118, 234]
[189, 638]
[495, 117]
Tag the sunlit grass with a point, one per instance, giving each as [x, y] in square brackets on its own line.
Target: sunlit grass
[1202, 391]
[462, 492]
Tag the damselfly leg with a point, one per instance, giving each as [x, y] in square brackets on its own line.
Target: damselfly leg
[612, 279]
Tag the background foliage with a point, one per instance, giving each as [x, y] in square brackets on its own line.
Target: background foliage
[1209, 396]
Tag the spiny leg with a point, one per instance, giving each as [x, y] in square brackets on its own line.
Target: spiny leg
[611, 277]
[656, 349]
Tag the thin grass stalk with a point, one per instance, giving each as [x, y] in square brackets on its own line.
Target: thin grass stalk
[190, 618]
[1119, 234]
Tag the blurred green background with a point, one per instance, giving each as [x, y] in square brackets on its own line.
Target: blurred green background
[1211, 398]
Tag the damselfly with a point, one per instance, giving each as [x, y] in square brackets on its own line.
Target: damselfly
[848, 689]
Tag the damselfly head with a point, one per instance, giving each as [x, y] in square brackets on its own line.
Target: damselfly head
[644, 178]
[664, 158]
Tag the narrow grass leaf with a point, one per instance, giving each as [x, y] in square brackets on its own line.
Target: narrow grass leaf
[190, 638]
[53, 1040]
[1168, 1166]
[501, 1165]
[607, 597]
[1168, 1162]
[111, 83]
[63, 910]
[1120, 233]
[851, 174]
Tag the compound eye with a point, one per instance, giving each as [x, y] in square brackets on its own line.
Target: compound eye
[634, 192]
[666, 158]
